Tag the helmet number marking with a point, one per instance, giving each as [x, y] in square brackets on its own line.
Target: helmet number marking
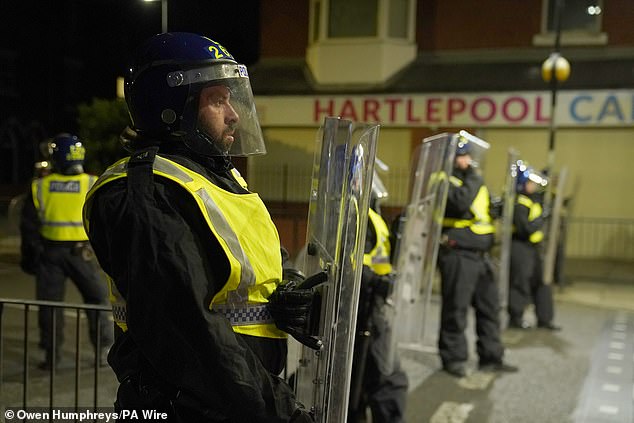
[219, 52]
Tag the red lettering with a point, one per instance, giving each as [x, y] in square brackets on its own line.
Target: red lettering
[455, 106]
[491, 112]
[432, 110]
[410, 117]
[538, 111]
[318, 111]
[506, 106]
[392, 102]
[348, 111]
[370, 111]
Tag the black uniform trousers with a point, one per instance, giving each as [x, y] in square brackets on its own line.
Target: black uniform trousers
[57, 262]
[527, 285]
[467, 279]
[384, 385]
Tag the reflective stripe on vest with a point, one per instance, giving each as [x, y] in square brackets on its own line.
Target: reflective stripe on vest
[238, 177]
[119, 312]
[480, 224]
[378, 259]
[534, 211]
[247, 235]
[59, 200]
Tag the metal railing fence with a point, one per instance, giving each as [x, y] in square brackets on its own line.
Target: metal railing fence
[57, 386]
[602, 238]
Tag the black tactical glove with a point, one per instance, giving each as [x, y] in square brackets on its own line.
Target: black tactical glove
[496, 207]
[295, 306]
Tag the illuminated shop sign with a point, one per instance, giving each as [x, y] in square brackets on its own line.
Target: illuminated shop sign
[524, 109]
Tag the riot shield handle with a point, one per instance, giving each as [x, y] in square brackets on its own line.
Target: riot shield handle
[314, 280]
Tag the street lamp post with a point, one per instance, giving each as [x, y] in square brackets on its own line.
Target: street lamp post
[163, 13]
[555, 69]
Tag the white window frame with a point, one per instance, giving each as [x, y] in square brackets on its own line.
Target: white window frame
[318, 27]
[569, 37]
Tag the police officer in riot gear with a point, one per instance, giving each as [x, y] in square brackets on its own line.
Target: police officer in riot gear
[192, 255]
[55, 247]
[376, 384]
[526, 275]
[466, 271]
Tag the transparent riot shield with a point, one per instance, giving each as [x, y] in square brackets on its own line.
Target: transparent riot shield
[505, 231]
[553, 226]
[337, 224]
[418, 242]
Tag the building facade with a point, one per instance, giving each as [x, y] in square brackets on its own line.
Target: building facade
[424, 67]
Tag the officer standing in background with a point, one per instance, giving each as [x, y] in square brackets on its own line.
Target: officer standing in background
[55, 247]
[526, 274]
[192, 255]
[376, 384]
[466, 272]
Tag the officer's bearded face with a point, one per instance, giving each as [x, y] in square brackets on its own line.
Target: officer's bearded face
[216, 116]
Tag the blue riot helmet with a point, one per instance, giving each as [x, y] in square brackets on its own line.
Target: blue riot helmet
[171, 74]
[463, 147]
[526, 173]
[67, 154]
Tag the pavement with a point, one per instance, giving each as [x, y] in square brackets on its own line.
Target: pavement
[583, 373]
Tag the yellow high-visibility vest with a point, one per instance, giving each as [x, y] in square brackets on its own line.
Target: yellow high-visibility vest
[378, 259]
[534, 211]
[59, 200]
[481, 223]
[244, 229]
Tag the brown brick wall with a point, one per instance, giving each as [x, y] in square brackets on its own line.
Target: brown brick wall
[447, 25]
[284, 26]
[444, 25]
[618, 19]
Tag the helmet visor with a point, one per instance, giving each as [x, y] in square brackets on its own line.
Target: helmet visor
[527, 173]
[473, 146]
[538, 178]
[227, 117]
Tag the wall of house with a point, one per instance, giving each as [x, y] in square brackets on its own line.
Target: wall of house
[447, 25]
[444, 25]
[284, 27]
[618, 16]
[598, 163]
[597, 159]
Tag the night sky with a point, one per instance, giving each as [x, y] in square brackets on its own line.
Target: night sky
[58, 53]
